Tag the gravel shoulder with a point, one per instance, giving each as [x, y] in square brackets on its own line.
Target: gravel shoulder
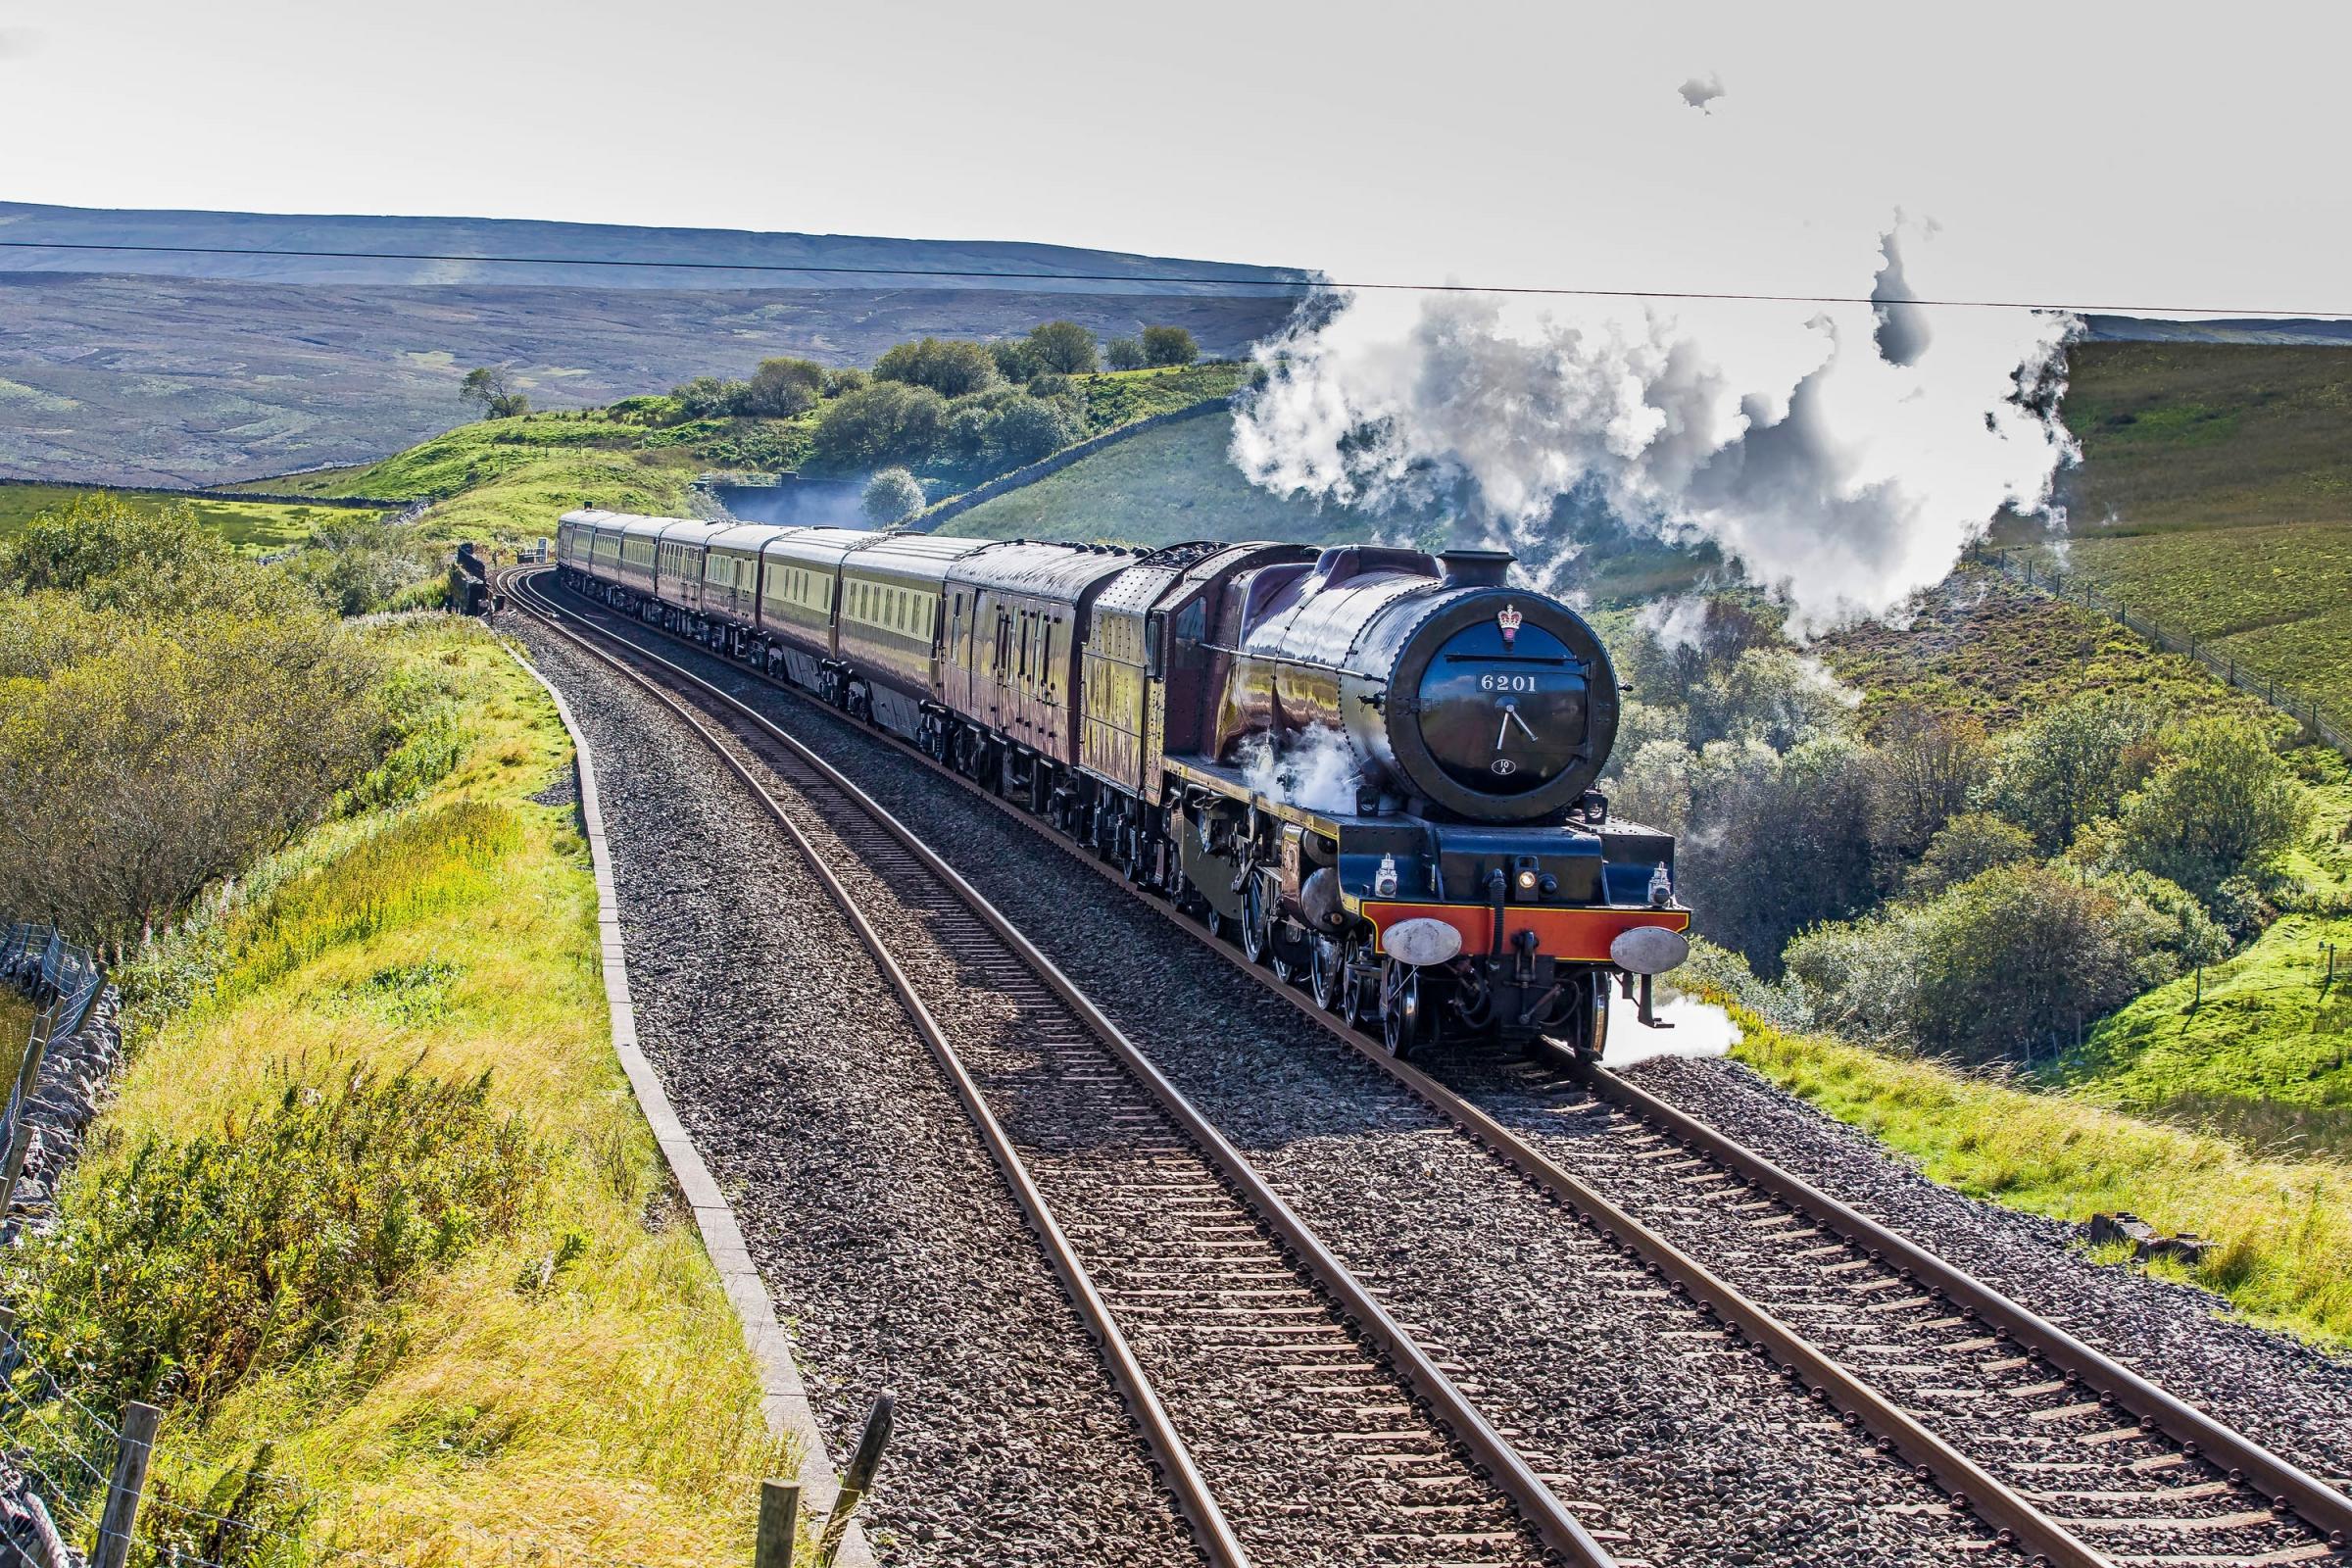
[894, 1252]
[2292, 1398]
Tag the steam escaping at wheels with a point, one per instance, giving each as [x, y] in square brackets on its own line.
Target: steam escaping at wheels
[1371, 767]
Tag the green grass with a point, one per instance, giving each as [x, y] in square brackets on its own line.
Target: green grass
[508, 480]
[254, 526]
[572, 1388]
[2284, 1226]
[1160, 487]
[1122, 397]
[2215, 495]
[2263, 1049]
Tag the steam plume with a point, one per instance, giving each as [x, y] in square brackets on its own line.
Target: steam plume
[1837, 454]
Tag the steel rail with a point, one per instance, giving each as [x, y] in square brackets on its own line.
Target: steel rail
[1554, 1524]
[1966, 1484]
[2290, 1488]
[1212, 1531]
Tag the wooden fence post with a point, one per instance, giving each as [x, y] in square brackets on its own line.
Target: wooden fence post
[780, 1523]
[135, 1444]
[20, 1142]
[857, 1479]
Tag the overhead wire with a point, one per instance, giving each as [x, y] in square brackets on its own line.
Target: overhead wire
[1294, 284]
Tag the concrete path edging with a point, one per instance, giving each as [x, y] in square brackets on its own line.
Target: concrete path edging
[784, 1398]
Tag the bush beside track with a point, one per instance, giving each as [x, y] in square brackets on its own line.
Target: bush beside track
[523, 1350]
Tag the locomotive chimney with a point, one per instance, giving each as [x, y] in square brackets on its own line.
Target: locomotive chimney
[1476, 569]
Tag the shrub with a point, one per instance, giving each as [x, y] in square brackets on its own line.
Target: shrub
[2019, 957]
[183, 1265]
[707, 397]
[2221, 802]
[845, 380]
[165, 754]
[892, 495]
[1124, 354]
[1967, 847]
[887, 422]
[1775, 696]
[2073, 765]
[950, 367]
[1062, 347]
[782, 388]
[1169, 345]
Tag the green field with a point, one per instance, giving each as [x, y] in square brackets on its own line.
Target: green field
[257, 527]
[2215, 495]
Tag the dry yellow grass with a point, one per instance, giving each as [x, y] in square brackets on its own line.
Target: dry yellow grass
[2284, 1227]
[610, 1414]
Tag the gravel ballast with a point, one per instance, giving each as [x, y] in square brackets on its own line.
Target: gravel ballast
[1666, 1440]
[2292, 1398]
[895, 1254]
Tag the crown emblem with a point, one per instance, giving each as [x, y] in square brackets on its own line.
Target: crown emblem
[1509, 619]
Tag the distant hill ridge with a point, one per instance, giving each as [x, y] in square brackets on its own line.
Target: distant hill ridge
[567, 245]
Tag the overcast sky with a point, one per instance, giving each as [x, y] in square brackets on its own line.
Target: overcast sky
[2096, 155]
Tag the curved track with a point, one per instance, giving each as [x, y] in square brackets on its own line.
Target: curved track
[2065, 1453]
[1351, 1446]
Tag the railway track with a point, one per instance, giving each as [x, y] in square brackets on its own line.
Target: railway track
[1255, 1366]
[2065, 1455]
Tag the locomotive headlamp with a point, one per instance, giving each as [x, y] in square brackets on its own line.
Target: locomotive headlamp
[1526, 875]
[1527, 881]
[1384, 880]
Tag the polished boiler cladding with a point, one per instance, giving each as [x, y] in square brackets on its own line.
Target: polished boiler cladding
[1431, 857]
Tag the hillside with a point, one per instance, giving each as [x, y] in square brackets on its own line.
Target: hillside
[2216, 494]
[125, 368]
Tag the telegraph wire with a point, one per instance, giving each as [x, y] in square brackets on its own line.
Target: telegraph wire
[1292, 284]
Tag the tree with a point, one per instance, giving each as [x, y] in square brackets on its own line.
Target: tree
[1776, 842]
[783, 387]
[489, 388]
[2074, 764]
[1028, 428]
[1928, 765]
[846, 379]
[1967, 847]
[1064, 347]
[1124, 354]
[1169, 345]
[950, 367]
[891, 495]
[1015, 361]
[889, 421]
[2222, 801]
[707, 397]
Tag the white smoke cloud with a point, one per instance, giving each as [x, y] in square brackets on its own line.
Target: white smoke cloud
[1313, 769]
[1700, 91]
[1844, 476]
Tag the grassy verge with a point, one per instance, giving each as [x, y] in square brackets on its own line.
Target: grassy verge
[254, 527]
[2284, 1227]
[552, 1374]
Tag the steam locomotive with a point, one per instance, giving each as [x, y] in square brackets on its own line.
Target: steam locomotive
[1371, 767]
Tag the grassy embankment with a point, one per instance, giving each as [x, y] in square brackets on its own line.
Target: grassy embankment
[2169, 1108]
[2286, 1227]
[2216, 494]
[572, 1385]
[254, 527]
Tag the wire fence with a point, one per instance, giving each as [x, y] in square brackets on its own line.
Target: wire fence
[2330, 725]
